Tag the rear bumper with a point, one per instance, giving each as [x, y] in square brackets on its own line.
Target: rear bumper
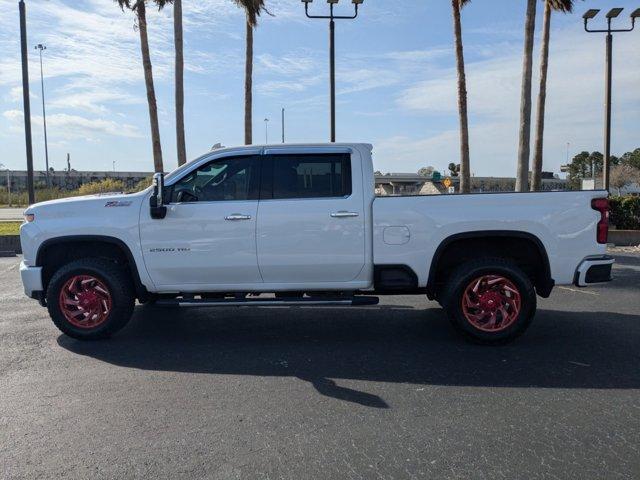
[596, 269]
[31, 280]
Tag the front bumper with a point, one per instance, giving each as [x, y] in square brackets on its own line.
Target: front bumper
[31, 280]
[596, 269]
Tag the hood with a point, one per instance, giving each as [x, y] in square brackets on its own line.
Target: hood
[109, 199]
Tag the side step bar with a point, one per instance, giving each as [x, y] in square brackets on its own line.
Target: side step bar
[270, 302]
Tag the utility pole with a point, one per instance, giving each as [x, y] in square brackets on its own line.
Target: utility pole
[42, 48]
[25, 100]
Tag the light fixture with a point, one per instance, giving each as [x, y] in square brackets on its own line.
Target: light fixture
[589, 14]
[332, 2]
[614, 12]
[357, 2]
[307, 1]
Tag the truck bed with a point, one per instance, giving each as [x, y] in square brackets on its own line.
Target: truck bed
[408, 230]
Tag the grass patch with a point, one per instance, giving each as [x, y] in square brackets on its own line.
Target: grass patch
[10, 228]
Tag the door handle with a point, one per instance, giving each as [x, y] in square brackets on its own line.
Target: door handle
[237, 216]
[343, 214]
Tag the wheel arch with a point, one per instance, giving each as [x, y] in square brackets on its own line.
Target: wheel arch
[72, 247]
[534, 256]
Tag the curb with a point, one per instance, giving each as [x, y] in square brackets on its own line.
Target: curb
[624, 238]
[10, 244]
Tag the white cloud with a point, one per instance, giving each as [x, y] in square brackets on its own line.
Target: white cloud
[64, 126]
[93, 101]
[574, 104]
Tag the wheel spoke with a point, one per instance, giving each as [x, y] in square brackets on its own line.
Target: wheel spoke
[491, 303]
[85, 301]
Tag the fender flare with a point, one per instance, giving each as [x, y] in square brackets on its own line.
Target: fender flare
[141, 289]
[543, 287]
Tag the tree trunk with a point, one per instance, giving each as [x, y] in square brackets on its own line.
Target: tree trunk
[178, 42]
[465, 175]
[248, 82]
[524, 146]
[148, 80]
[536, 175]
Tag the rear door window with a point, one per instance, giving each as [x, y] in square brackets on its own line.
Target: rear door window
[310, 176]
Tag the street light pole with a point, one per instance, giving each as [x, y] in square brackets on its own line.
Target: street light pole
[332, 73]
[613, 13]
[41, 48]
[25, 99]
[332, 50]
[266, 131]
[282, 124]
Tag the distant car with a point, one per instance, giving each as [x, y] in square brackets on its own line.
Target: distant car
[301, 223]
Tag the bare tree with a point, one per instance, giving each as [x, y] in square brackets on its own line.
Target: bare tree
[623, 175]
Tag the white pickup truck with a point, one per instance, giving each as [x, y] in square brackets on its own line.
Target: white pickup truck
[300, 225]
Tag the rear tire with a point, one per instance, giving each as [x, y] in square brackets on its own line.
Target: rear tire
[489, 301]
[90, 298]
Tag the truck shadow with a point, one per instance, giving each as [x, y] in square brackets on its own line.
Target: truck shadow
[388, 344]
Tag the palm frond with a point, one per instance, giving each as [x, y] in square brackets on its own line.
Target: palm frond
[162, 3]
[253, 9]
[564, 6]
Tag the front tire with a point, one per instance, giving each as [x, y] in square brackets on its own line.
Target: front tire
[90, 298]
[490, 301]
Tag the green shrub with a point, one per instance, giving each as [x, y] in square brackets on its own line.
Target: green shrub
[102, 186]
[625, 212]
[21, 199]
[141, 185]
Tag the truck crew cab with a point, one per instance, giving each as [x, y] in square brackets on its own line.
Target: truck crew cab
[300, 225]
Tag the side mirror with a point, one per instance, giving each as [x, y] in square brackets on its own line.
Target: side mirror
[156, 201]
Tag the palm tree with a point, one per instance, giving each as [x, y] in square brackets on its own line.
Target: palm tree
[139, 8]
[522, 176]
[252, 9]
[179, 79]
[465, 178]
[550, 5]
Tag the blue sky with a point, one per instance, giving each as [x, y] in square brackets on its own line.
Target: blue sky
[395, 76]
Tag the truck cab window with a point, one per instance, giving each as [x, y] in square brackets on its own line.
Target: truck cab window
[225, 179]
[311, 176]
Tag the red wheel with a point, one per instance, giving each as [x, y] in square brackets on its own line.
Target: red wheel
[85, 301]
[489, 300]
[90, 298]
[491, 303]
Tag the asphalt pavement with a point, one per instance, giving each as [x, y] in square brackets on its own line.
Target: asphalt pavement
[325, 393]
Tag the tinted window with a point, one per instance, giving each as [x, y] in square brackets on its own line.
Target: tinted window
[232, 178]
[311, 176]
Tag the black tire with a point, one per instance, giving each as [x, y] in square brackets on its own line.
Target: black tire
[119, 287]
[463, 276]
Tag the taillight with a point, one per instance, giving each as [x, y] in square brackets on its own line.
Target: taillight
[602, 231]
